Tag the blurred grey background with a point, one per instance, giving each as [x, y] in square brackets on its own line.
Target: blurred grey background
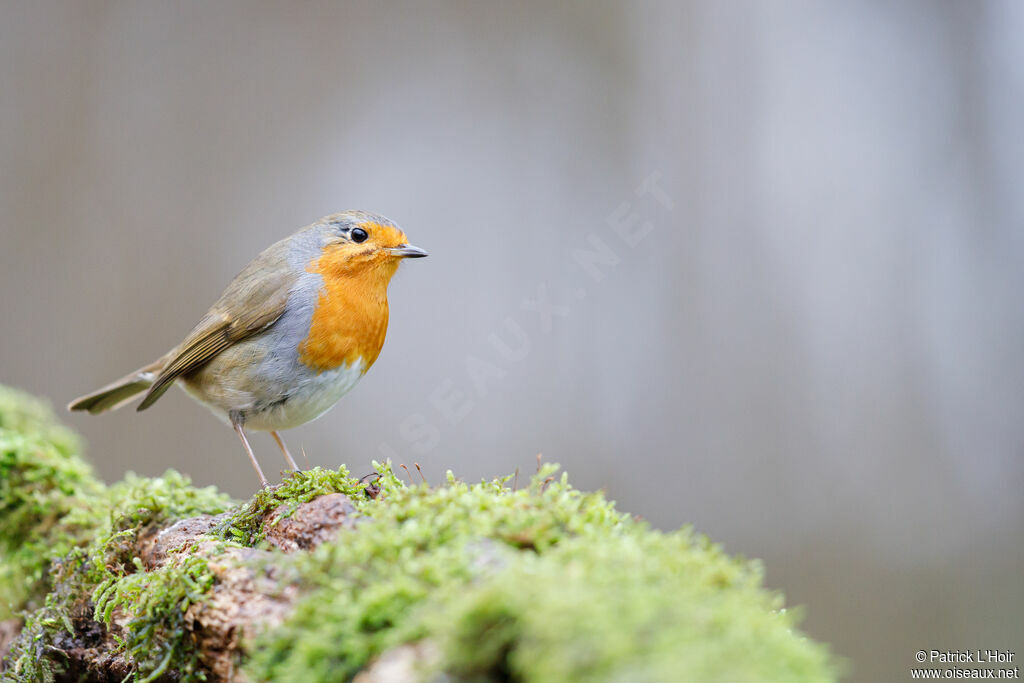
[755, 266]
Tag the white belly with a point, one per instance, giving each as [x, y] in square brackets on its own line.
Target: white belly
[312, 397]
[308, 397]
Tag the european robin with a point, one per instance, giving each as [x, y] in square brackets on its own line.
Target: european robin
[291, 334]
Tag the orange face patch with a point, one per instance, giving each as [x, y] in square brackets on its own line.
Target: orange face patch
[351, 315]
[383, 236]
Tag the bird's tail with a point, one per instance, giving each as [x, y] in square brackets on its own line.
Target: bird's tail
[116, 394]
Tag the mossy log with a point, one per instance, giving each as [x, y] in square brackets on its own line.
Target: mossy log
[331, 578]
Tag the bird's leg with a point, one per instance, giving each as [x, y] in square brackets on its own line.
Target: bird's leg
[248, 449]
[284, 449]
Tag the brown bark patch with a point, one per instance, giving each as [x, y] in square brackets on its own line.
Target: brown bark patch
[310, 524]
[155, 545]
[247, 598]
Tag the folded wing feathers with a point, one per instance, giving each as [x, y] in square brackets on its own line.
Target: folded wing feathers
[247, 308]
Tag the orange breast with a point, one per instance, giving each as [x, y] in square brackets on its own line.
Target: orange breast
[351, 315]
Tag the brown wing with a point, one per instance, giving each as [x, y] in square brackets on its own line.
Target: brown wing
[253, 301]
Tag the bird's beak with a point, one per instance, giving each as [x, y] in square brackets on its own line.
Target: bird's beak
[407, 251]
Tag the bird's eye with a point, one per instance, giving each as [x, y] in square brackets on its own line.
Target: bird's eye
[358, 235]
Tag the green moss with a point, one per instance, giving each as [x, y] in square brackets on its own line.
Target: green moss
[34, 656]
[40, 487]
[95, 578]
[26, 414]
[641, 606]
[136, 503]
[66, 536]
[545, 583]
[51, 503]
[246, 525]
[156, 603]
[542, 583]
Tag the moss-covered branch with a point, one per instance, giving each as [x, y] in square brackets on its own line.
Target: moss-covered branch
[326, 578]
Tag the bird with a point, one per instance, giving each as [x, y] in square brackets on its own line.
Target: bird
[292, 333]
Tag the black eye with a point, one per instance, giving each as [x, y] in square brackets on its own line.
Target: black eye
[358, 235]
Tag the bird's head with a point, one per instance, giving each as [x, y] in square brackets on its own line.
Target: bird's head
[357, 243]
